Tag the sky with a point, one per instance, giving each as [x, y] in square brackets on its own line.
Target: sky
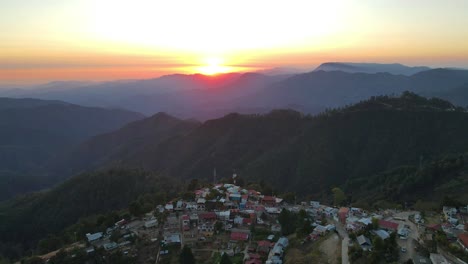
[47, 40]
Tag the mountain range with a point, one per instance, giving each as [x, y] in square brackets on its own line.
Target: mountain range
[350, 67]
[205, 97]
[292, 151]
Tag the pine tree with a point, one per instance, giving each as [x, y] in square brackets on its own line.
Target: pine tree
[186, 256]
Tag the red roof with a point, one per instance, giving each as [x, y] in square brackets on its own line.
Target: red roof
[247, 221]
[388, 225]
[209, 215]
[254, 256]
[464, 239]
[269, 199]
[253, 261]
[185, 217]
[245, 197]
[434, 226]
[239, 236]
[264, 243]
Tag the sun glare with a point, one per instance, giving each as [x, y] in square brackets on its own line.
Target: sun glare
[213, 66]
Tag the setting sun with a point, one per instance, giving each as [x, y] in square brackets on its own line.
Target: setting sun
[213, 66]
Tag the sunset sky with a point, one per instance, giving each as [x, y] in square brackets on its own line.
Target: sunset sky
[44, 40]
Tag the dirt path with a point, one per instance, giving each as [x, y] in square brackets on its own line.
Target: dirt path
[332, 248]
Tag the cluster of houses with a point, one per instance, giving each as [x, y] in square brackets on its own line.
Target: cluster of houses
[454, 225]
[126, 230]
[234, 210]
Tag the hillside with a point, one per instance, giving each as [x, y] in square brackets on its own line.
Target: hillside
[307, 154]
[28, 218]
[32, 131]
[431, 181]
[113, 147]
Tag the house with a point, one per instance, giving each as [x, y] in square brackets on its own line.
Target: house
[315, 204]
[120, 223]
[463, 240]
[453, 221]
[94, 237]
[239, 236]
[201, 203]
[382, 234]
[273, 210]
[209, 216]
[320, 230]
[387, 225]
[276, 254]
[224, 215]
[268, 200]
[191, 206]
[276, 228]
[329, 211]
[417, 218]
[110, 246]
[172, 239]
[365, 221]
[263, 246]
[364, 242]
[206, 229]
[403, 232]
[449, 211]
[151, 223]
[283, 241]
[169, 207]
[179, 206]
[343, 214]
[186, 222]
[253, 261]
[248, 221]
[236, 197]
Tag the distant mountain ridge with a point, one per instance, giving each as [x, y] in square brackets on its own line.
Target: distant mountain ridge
[207, 97]
[351, 67]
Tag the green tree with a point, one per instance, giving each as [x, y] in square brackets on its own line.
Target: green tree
[288, 222]
[193, 185]
[218, 226]
[289, 197]
[186, 256]
[338, 196]
[225, 259]
[135, 208]
[375, 223]
[115, 235]
[50, 243]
